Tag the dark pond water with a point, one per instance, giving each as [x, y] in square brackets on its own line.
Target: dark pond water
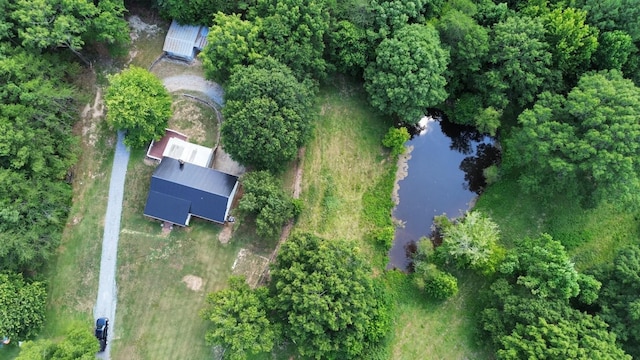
[444, 176]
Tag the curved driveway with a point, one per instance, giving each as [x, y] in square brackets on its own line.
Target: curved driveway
[195, 83]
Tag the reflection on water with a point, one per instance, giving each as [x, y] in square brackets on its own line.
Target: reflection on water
[444, 176]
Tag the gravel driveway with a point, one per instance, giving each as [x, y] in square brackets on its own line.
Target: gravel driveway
[107, 292]
[195, 83]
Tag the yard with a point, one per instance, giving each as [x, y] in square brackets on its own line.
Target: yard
[163, 276]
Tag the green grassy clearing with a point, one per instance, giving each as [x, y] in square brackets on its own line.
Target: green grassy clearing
[341, 162]
[158, 314]
[344, 164]
[194, 119]
[591, 236]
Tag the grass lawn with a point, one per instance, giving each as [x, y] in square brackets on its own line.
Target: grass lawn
[163, 279]
[591, 236]
[342, 163]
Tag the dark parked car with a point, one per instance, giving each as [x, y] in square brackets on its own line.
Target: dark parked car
[102, 330]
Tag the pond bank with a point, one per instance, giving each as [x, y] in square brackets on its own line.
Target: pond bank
[440, 173]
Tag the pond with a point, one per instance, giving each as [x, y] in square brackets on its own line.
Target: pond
[444, 175]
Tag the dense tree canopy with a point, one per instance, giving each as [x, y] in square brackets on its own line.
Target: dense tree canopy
[326, 299]
[620, 298]
[609, 15]
[530, 313]
[238, 320]
[520, 62]
[138, 103]
[36, 153]
[407, 76]
[231, 41]
[586, 144]
[268, 115]
[293, 33]
[23, 306]
[468, 44]
[264, 198]
[68, 24]
[348, 47]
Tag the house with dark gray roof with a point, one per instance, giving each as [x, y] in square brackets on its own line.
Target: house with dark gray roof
[185, 41]
[180, 190]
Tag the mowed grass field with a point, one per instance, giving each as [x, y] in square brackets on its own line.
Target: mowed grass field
[163, 279]
[342, 162]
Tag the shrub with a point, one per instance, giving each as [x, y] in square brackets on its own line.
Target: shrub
[395, 139]
[384, 236]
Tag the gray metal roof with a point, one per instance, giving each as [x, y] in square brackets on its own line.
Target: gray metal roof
[201, 40]
[207, 192]
[196, 177]
[167, 208]
[181, 40]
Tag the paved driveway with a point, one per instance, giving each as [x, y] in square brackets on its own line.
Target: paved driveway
[107, 291]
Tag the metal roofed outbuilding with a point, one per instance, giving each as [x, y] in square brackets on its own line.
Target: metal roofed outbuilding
[184, 41]
[180, 190]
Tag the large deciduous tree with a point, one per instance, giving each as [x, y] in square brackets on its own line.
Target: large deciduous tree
[572, 42]
[264, 198]
[520, 62]
[620, 298]
[23, 306]
[238, 321]
[473, 243]
[324, 295]
[231, 41]
[586, 145]
[138, 103]
[268, 115]
[407, 76]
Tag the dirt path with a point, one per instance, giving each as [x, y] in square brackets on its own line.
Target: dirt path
[107, 291]
[286, 229]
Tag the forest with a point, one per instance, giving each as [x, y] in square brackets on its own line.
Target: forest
[555, 82]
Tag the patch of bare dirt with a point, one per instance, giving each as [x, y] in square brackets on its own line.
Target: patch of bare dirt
[225, 234]
[193, 282]
[251, 265]
[92, 114]
[139, 28]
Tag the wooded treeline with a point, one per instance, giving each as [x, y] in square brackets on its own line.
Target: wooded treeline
[41, 51]
[555, 81]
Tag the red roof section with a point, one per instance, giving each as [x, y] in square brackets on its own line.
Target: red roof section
[156, 149]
